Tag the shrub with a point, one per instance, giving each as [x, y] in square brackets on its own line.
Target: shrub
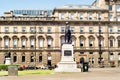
[5, 67]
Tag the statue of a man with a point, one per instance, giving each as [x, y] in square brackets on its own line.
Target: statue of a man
[8, 55]
[68, 34]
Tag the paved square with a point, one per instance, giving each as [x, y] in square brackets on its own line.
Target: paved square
[93, 74]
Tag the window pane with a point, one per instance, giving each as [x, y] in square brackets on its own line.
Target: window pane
[40, 58]
[6, 29]
[90, 29]
[41, 42]
[49, 29]
[23, 29]
[14, 58]
[31, 59]
[15, 29]
[32, 29]
[23, 58]
[81, 29]
[63, 29]
[72, 29]
[40, 29]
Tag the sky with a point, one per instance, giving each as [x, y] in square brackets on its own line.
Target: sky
[8, 5]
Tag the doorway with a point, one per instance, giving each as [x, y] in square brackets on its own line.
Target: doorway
[82, 60]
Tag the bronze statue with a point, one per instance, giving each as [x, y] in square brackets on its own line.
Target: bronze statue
[68, 34]
[8, 55]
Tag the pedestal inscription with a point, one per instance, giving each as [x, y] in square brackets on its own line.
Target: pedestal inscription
[67, 53]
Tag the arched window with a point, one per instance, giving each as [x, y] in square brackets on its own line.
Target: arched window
[101, 41]
[6, 42]
[81, 60]
[111, 56]
[119, 56]
[82, 41]
[49, 42]
[91, 41]
[14, 57]
[40, 42]
[23, 57]
[24, 42]
[40, 57]
[32, 42]
[32, 57]
[73, 40]
[15, 40]
[111, 41]
[0, 41]
[118, 39]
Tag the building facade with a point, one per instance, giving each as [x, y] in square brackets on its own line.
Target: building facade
[35, 37]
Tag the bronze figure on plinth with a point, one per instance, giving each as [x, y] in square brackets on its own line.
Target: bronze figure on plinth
[68, 34]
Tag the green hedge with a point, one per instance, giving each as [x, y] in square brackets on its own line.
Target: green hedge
[5, 67]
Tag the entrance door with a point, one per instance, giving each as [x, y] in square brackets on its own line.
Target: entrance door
[81, 60]
[49, 61]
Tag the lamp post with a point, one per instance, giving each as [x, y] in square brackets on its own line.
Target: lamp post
[35, 49]
[100, 51]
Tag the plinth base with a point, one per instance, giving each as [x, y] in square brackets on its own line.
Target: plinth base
[7, 61]
[67, 66]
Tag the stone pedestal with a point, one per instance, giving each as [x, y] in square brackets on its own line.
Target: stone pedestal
[67, 63]
[12, 71]
[7, 61]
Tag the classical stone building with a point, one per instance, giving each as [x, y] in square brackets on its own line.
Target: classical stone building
[35, 37]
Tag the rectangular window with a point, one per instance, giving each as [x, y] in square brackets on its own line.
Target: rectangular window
[71, 16]
[6, 29]
[91, 53]
[110, 7]
[111, 56]
[32, 29]
[118, 17]
[118, 29]
[81, 52]
[118, 8]
[23, 58]
[110, 17]
[23, 29]
[81, 29]
[62, 16]
[49, 29]
[90, 29]
[40, 59]
[81, 16]
[72, 29]
[63, 29]
[40, 29]
[15, 29]
[90, 16]
[119, 43]
[110, 29]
